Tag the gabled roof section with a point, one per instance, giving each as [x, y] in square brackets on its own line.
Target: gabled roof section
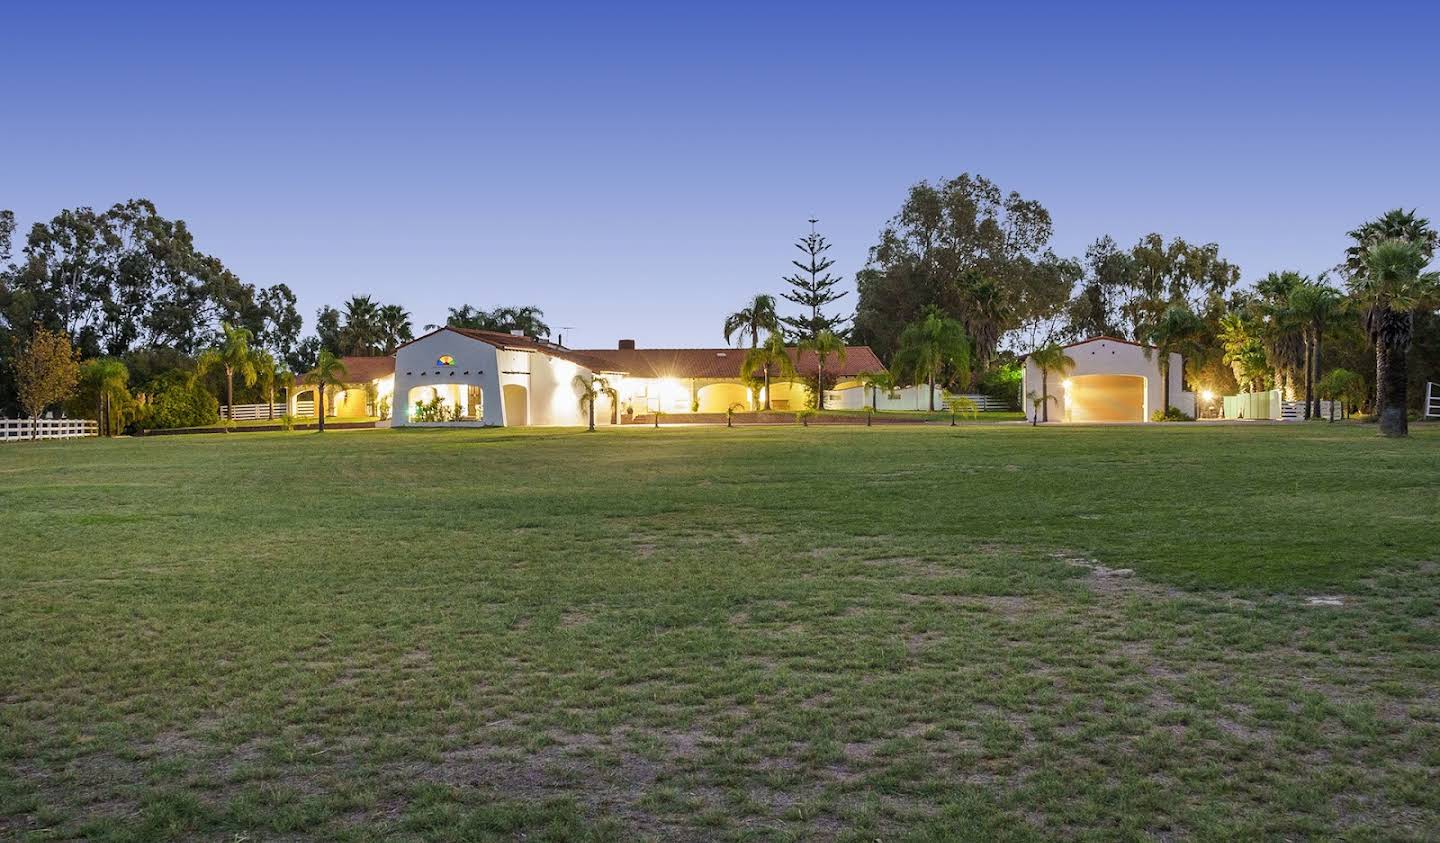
[512, 342]
[1107, 338]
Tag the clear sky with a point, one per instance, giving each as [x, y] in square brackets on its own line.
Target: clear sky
[639, 171]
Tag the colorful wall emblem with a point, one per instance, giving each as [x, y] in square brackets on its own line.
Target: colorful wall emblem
[445, 360]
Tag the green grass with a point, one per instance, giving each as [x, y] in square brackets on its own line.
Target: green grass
[941, 415]
[700, 633]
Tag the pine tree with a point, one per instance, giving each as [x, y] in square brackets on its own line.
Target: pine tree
[812, 288]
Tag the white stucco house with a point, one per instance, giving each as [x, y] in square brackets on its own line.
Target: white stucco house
[465, 377]
[1114, 380]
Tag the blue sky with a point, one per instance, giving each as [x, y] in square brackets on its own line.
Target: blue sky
[640, 170]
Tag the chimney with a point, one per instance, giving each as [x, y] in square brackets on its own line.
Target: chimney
[627, 345]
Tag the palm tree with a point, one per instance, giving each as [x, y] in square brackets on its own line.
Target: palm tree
[824, 344]
[758, 360]
[266, 372]
[329, 371]
[759, 315]
[1282, 329]
[109, 378]
[1179, 331]
[395, 327]
[1039, 402]
[1398, 224]
[361, 334]
[233, 354]
[930, 344]
[1392, 287]
[1315, 304]
[877, 381]
[590, 391]
[987, 313]
[1049, 358]
[1243, 350]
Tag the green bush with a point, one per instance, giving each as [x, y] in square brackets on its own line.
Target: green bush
[1174, 415]
[177, 399]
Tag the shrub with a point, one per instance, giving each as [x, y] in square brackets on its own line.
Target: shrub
[803, 416]
[1175, 414]
[178, 399]
[287, 422]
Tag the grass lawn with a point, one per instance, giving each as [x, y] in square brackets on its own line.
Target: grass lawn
[700, 633]
[938, 415]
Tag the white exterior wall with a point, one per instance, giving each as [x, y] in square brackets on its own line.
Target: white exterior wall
[554, 398]
[1111, 357]
[906, 398]
[415, 366]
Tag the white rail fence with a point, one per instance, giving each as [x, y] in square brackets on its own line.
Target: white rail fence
[261, 412]
[1432, 400]
[18, 430]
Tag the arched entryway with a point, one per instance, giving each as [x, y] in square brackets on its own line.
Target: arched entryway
[719, 397]
[446, 402]
[785, 395]
[517, 404]
[1105, 398]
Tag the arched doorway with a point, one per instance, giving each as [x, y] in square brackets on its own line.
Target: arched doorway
[517, 404]
[719, 397]
[785, 395]
[446, 402]
[1105, 398]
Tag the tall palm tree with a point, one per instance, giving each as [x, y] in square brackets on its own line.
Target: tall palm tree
[1179, 331]
[987, 312]
[823, 344]
[234, 355]
[1392, 287]
[591, 389]
[329, 371]
[1315, 304]
[361, 334]
[1398, 224]
[930, 344]
[1282, 329]
[395, 327]
[759, 360]
[266, 372]
[1049, 358]
[759, 315]
[1243, 350]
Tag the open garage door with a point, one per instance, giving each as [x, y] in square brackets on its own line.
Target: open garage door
[1105, 398]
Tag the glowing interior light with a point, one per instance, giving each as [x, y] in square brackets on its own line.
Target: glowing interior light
[1065, 384]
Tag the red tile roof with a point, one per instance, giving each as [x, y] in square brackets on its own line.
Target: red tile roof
[722, 362]
[366, 369]
[667, 362]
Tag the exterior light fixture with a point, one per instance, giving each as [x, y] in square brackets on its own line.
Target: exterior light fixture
[1065, 384]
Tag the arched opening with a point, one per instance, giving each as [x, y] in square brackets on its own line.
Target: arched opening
[785, 395]
[719, 397]
[446, 402]
[302, 402]
[517, 404]
[1104, 398]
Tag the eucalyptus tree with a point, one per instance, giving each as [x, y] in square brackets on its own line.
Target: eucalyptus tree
[929, 345]
[756, 316]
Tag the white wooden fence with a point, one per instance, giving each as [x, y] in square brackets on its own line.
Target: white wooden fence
[16, 430]
[260, 412]
[1432, 400]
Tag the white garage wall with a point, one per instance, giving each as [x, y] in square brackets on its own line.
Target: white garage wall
[1111, 357]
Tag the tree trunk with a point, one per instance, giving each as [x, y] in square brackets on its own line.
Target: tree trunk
[930, 381]
[875, 397]
[1045, 394]
[35, 428]
[229, 398]
[320, 400]
[1165, 390]
[819, 382]
[592, 414]
[1309, 374]
[1390, 376]
[767, 387]
[270, 405]
[1319, 346]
